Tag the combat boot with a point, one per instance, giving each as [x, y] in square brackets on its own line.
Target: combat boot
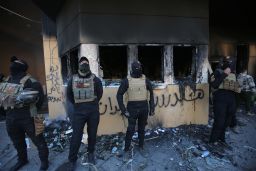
[143, 152]
[126, 156]
[19, 165]
[71, 166]
[44, 165]
[91, 158]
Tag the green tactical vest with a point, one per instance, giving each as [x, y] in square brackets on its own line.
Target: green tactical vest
[83, 89]
[10, 91]
[137, 90]
[230, 83]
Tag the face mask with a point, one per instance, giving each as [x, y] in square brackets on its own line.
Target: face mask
[137, 72]
[16, 68]
[84, 69]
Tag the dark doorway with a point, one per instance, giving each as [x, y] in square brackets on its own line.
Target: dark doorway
[182, 61]
[73, 62]
[64, 68]
[151, 58]
[242, 58]
[113, 60]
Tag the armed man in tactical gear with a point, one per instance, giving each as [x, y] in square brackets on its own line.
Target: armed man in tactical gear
[140, 104]
[224, 81]
[21, 96]
[84, 91]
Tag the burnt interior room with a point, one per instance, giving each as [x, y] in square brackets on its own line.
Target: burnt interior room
[113, 60]
[182, 61]
[73, 61]
[64, 68]
[242, 58]
[151, 58]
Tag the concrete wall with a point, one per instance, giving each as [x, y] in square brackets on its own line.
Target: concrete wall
[171, 109]
[87, 24]
[224, 41]
[33, 55]
[227, 46]
[52, 69]
[130, 22]
[252, 59]
[21, 37]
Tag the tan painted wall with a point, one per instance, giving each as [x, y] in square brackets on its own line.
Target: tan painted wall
[53, 76]
[170, 112]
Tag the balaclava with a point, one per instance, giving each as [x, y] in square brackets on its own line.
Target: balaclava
[18, 66]
[136, 69]
[84, 67]
[227, 63]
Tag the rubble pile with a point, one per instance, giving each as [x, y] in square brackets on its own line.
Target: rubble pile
[113, 145]
[57, 134]
[188, 144]
[191, 142]
[109, 145]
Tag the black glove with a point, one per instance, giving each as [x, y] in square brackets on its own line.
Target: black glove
[151, 112]
[126, 114]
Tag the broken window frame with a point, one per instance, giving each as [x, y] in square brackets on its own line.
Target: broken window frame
[107, 81]
[194, 64]
[70, 72]
[162, 72]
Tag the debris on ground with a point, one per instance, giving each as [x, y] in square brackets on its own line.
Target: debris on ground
[188, 142]
[57, 134]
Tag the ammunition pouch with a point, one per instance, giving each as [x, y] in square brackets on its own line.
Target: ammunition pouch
[39, 124]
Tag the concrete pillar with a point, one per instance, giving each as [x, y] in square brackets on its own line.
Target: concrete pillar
[52, 69]
[168, 64]
[132, 55]
[202, 64]
[91, 52]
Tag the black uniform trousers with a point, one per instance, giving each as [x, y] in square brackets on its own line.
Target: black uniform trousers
[78, 123]
[140, 114]
[224, 108]
[17, 128]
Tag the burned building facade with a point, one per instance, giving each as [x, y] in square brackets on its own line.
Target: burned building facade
[169, 38]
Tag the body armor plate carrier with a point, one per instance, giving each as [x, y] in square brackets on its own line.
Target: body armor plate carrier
[83, 89]
[230, 83]
[10, 91]
[137, 90]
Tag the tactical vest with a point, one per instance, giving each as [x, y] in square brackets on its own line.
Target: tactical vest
[10, 91]
[83, 89]
[230, 83]
[137, 90]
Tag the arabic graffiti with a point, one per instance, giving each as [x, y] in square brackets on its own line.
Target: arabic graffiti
[53, 99]
[53, 76]
[161, 101]
[54, 79]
